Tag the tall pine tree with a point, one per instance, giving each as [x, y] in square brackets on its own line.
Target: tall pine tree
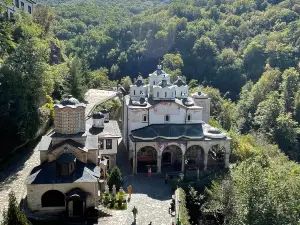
[13, 215]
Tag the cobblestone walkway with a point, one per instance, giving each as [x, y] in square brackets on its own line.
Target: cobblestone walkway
[14, 177]
[152, 199]
[150, 196]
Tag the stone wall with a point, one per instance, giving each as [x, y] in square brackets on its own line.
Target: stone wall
[35, 192]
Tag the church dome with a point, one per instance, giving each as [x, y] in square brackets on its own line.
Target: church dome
[214, 130]
[69, 101]
[98, 115]
[179, 82]
[139, 81]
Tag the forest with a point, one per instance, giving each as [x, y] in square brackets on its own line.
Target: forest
[243, 53]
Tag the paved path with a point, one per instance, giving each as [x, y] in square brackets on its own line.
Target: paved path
[95, 97]
[150, 196]
[14, 177]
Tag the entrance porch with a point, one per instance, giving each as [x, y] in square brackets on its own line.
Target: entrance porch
[171, 156]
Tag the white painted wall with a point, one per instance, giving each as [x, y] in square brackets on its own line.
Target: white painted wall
[135, 92]
[170, 91]
[136, 118]
[158, 112]
[180, 90]
[195, 116]
[205, 103]
[106, 151]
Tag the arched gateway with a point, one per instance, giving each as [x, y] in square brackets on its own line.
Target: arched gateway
[146, 157]
[171, 159]
[194, 157]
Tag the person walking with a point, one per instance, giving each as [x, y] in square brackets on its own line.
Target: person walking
[166, 178]
[149, 172]
[134, 212]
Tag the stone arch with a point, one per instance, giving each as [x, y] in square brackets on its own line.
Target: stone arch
[171, 158]
[194, 157]
[146, 157]
[53, 198]
[216, 156]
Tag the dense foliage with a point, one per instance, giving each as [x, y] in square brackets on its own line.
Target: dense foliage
[115, 178]
[222, 43]
[13, 215]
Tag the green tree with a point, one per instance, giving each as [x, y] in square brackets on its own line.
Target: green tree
[172, 61]
[75, 81]
[286, 132]
[289, 87]
[13, 215]
[126, 82]
[267, 113]
[115, 178]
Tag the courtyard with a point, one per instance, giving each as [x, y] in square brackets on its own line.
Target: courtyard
[152, 198]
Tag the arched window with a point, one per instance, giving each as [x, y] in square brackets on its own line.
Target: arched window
[189, 117]
[53, 198]
[157, 94]
[134, 92]
[165, 94]
[145, 118]
[153, 82]
[167, 118]
[175, 93]
[141, 92]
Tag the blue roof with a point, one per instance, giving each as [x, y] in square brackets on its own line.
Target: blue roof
[168, 132]
[46, 174]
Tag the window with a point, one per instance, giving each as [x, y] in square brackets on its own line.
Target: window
[134, 92]
[189, 117]
[17, 3]
[100, 144]
[22, 5]
[175, 93]
[165, 94]
[153, 82]
[167, 118]
[157, 94]
[108, 144]
[29, 9]
[145, 118]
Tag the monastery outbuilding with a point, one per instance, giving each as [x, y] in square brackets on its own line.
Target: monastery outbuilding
[166, 129]
[74, 159]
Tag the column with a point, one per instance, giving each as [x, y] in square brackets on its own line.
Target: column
[182, 163]
[134, 164]
[158, 163]
[205, 159]
[227, 153]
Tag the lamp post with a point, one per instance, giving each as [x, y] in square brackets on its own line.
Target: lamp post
[178, 218]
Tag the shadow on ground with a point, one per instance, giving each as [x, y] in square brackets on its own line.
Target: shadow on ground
[153, 186]
[15, 163]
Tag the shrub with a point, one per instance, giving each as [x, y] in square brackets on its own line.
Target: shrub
[115, 178]
[183, 212]
[13, 215]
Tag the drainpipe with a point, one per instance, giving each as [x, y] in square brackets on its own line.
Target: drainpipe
[148, 117]
[135, 160]
[185, 115]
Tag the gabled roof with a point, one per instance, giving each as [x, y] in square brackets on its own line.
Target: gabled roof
[168, 132]
[46, 174]
[69, 142]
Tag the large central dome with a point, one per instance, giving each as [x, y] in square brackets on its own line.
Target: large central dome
[69, 101]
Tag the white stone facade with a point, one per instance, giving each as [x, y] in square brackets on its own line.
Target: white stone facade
[25, 5]
[151, 120]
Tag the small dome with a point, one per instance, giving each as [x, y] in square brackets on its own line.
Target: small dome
[214, 130]
[98, 115]
[69, 101]
[179, 82]
[139, 81]
[104, 111]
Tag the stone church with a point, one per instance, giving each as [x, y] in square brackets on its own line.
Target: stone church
[73, 161]
[167, 129]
